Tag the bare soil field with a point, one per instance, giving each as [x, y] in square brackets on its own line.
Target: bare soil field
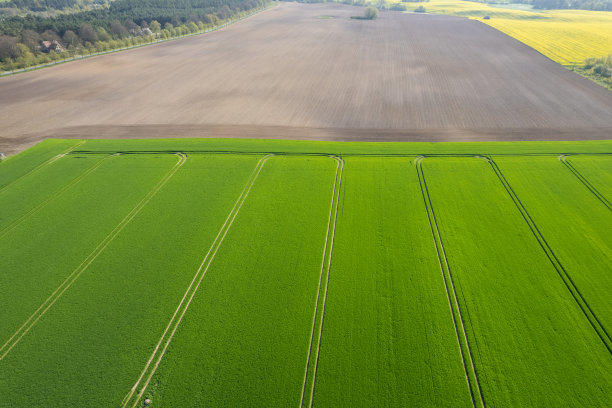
[287, 73]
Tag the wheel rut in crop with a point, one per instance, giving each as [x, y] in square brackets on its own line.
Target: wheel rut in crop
[310, 373]
[43, 164]
[561, 271]
[69, 281]
[136, 393]
[563, 158]
[471, 374]
[24, 217]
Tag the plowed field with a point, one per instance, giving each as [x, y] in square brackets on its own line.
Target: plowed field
[285, 73]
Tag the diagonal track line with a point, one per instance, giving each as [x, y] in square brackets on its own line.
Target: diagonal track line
[471, 375]
[327, 255]
[65, 285]
[552, 257]
[329, 259]
[55, 195]
[563, 159]
[43, 164]
[168, 334]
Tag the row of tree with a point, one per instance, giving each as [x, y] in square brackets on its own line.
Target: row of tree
[36, 41]
[44, 5]
[175, 12]
[599, 5]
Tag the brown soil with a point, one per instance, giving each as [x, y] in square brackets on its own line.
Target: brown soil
[287, 74]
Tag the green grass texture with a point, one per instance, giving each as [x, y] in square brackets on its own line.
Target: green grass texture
[283, 273]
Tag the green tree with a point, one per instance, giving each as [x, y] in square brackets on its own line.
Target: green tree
[87, 33]
[50, 35]
[117, 29]
[71, 39]
[8, 47]
[102, 34]
[370, 13]
[30, 39]
[192, 27]
[155, 26]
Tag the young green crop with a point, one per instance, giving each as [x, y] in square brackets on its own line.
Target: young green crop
[100, 333]
[29, 194]
[13, 168]
[597, 170]
[388, 338]
[43, 250]
[532, 344]
[245, 338]
[573, 221]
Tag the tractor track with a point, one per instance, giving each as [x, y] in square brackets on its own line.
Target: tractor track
[43, 164]
[561, 271]
[134, 395]
[24, 217]
[67, 283]
[327, 256]
[563, 159]
[471, 374]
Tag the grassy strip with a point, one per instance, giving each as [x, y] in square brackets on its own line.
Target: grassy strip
[388, 338]
[605, 82]
[533, 345]
[345, 148]
[246, 334]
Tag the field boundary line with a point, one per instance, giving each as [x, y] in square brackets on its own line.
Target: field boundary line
[471, 374]
[552, 257]
[65, 285]
[327, 255]
[183, 305]
[24, 217]
[344, 154]
[43, 164]
[563, 158]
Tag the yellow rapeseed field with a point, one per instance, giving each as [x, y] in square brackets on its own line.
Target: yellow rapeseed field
[565, 36]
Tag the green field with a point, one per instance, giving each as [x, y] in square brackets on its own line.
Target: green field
[283, 273]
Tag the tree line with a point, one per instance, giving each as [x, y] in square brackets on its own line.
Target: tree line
[39, 5]
[25, 41]
[595, 5]
[600, 5]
